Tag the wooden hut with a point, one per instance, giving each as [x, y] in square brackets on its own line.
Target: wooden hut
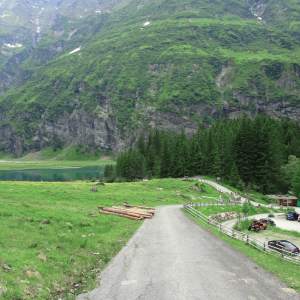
[285, 200]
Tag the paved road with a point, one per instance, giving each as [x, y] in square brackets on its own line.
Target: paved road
[171, 257]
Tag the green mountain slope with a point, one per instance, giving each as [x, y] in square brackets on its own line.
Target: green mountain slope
[165, 64]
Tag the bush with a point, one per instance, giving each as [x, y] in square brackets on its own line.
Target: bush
[245, 224]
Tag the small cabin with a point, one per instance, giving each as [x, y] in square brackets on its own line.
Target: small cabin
[285, 200]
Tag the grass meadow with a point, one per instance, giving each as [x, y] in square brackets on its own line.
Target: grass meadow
[73, 261]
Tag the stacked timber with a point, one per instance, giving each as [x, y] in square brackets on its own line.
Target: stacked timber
[129, 211]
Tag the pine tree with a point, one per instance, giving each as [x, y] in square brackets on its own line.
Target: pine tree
[165, 161]
[296, 183]
[141, 144]
[234, 177]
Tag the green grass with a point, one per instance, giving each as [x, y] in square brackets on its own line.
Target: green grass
[24, 204]
[245, 224]
[73, 156]
[262, 198]
[286, 271]
[211, 210]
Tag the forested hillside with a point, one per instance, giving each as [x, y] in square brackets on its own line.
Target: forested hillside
[163, 64]
[256, 153]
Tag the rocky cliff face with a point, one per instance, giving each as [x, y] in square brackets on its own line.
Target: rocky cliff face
[102, 72]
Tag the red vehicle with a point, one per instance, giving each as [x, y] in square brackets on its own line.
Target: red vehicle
[257, 225]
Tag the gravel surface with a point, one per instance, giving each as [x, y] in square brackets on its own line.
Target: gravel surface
[171, 257]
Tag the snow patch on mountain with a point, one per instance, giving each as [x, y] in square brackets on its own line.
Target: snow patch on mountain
[13, 46]
[75, 50]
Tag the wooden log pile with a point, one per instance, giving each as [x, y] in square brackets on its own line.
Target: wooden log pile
[129, 211]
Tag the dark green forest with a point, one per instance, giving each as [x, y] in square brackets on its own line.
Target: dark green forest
[244, 152]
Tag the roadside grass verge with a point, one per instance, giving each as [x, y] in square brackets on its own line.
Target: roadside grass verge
[245, 224]
[211, 210]
[286, 271]
[74, 261]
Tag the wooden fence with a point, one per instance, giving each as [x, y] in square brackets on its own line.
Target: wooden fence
[282, 253]
[202, 203]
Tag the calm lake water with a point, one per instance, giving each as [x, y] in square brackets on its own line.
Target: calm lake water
[52, 174]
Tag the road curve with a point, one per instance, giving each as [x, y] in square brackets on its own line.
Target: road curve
[171, 257]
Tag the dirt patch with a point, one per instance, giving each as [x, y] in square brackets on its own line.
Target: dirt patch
[105, 158]
[30, 155]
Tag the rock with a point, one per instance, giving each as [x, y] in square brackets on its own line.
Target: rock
[96, 253]
[24, 281]
[94, 189]
[48, 249]
[76, 286]
[83, 236]
[36, 273]
[3, 290]
[7, 267]
[32, 245]
[197, 188]
[58, 246]
[92, 234]
[63, 289]
[100, 183]
[45, 221]
[69, 224]
[42, 256]
[159, 189]
[178, 194]
[92, 214]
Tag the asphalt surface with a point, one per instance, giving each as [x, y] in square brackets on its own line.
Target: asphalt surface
[171, 257]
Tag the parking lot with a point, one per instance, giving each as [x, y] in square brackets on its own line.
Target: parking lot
[269, 234]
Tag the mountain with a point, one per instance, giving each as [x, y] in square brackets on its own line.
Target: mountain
[103, 76]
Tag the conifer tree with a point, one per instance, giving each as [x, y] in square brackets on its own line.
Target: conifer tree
[296, 184]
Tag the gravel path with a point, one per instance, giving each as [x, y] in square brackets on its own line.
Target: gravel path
[171, 257]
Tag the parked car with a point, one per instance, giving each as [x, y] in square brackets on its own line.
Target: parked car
[268, 221]
[257, 226]
[283, 245]
[292, 216]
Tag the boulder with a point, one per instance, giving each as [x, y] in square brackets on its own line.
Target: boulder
[94, 189]
[45, 221]
[197, 188]
[7, 267]
[69, 224]
[42, 256]
[159, 189]
[100, 183]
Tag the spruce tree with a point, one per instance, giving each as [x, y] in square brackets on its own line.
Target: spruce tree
[296, 184]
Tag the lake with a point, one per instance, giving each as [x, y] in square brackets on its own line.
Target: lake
[66, 174]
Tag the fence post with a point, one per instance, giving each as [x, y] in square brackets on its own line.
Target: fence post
[247, 238]
[264, 246]
[220, 227]
[208, 221]
[233, 233]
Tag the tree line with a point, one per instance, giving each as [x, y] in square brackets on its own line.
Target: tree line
[252, 153]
